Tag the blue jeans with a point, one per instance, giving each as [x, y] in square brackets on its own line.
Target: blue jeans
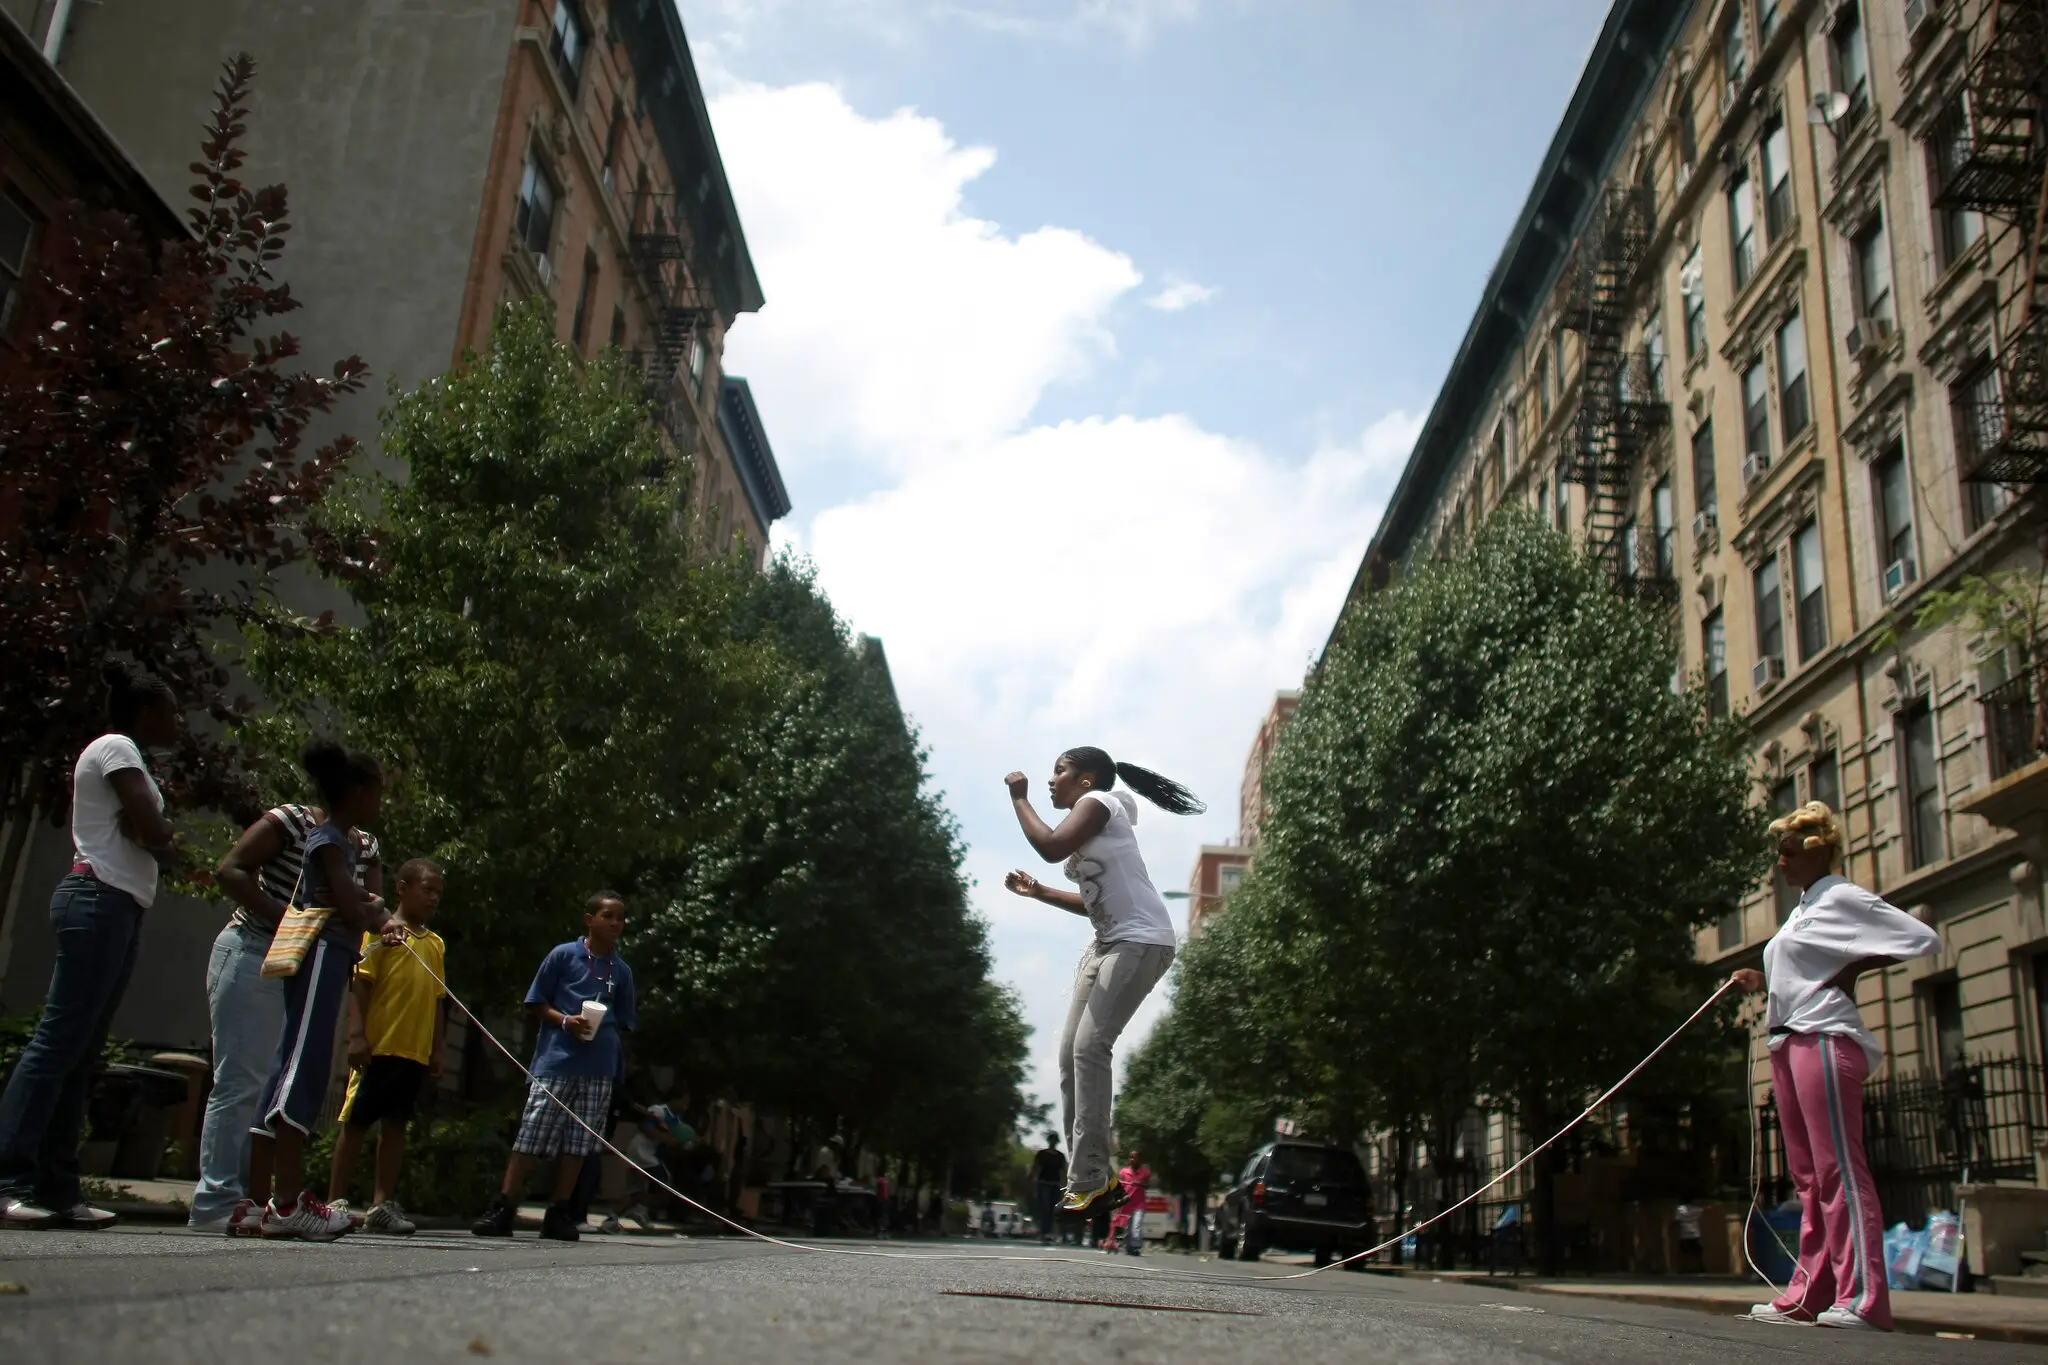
[248, 1015]
[42, 1115]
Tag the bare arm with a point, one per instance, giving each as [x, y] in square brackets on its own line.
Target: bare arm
[357, 910]
[547, 1016]
[237, 873]
[1083, 822]
[140, 818]
[1024, 884]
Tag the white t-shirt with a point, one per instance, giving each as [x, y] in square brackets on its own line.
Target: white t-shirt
[1123, 905]
[96, 836]
[1837, 923]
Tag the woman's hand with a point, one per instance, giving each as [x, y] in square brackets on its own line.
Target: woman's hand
[1747, 979]
[1019, 785]
[394, 933]
[1024, 884]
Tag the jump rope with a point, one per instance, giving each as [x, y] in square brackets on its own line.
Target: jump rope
[1124, 1266]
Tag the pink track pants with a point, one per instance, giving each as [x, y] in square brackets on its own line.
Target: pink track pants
[1819, 1079]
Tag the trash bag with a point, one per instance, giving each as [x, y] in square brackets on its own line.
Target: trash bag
[1941, 1256]
[1902, 1257]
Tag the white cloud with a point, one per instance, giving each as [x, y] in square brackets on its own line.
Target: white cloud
[1178, 295]
[1135, 582]
[728, 27]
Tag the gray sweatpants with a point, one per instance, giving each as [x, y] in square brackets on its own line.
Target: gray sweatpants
[1112, 981]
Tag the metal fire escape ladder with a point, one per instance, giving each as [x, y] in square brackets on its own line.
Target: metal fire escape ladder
[660, 253]
[2001, 172]
[1618, 408]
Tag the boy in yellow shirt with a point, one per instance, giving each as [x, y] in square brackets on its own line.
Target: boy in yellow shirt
[394, 1046]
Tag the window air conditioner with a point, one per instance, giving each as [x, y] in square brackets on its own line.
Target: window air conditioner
[1755, 465]
[1768, 673]
[1704, 524]
[1728, 94]
[1917, 14]
[542, 268]
[1868, 334]
[1897, 575]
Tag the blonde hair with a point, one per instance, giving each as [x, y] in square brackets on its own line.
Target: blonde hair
[1815, 825]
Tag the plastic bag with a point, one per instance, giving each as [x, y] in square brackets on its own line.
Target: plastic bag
[1902, 1257]
[1940, 1259]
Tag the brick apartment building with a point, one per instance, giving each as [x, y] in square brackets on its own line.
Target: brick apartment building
[441, 160]
[1763, 339]
[1220, 867]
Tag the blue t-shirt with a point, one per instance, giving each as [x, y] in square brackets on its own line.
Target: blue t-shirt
[568, 976]
[313, 888]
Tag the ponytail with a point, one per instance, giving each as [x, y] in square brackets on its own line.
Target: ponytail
[1163, 792]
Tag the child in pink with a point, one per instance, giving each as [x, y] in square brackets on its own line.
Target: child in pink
[1821, 1053]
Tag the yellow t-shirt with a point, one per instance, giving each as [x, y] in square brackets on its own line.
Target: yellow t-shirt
[404, 999]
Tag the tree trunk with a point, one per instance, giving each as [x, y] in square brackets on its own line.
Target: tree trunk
[10, 868]
[1543, 1193]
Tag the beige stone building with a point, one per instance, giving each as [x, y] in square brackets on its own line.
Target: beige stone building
[1762, 338]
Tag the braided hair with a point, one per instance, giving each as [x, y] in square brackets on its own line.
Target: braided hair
[1163, 792]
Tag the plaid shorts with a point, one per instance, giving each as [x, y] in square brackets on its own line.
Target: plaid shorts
[545, 1130]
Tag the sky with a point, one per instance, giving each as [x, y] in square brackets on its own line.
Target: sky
[1097, 334]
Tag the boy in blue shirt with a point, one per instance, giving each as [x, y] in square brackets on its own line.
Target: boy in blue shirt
[576, 1056]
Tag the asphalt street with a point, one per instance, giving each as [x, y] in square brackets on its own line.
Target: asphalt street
[173, 1296]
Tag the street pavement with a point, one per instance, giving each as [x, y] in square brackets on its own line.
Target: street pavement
[149, 1294]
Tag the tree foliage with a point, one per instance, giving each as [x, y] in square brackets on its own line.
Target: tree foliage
[154, 473]
[1495, 829]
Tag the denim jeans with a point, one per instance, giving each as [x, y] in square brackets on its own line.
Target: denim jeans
[42, 1115]
[248, 1015]
[1113, 980]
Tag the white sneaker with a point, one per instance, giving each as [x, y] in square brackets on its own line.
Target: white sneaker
[1770, 1312]
[311, 1221]
[20, 1213]
[390, 1220]
[1847, 1319]
[610, 1224]
[85, 1218]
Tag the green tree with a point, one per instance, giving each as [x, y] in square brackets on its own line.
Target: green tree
[548, 677]
[1495, 828]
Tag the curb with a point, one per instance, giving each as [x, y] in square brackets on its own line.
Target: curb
[1908, 1324]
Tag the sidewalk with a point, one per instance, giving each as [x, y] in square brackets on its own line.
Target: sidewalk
[1987, 1317]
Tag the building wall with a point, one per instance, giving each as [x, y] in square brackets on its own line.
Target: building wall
[1844, 697]
[1251, 802]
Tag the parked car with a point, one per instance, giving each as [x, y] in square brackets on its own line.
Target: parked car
[1297, 1196]
[997, 1218]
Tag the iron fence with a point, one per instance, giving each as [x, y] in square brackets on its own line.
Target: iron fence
[2012, 725]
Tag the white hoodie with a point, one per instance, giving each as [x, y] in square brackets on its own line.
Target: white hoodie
[1837, 923]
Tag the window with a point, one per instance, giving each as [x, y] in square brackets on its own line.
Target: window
[1735, 49]
[1703, 467]
[1728, 932]
[1542, 386]
[1556, 368]
[1977, 407]
[1742, 227]
[1693, 280]
[618, 326]
[1809, 591]
[697, 358]
[1497, 465]
[1920, 785]
[1631, 551]
[1777, 179]
[1756, 409]
[1653, 355]
[1766, 19]
[18, 224]
[1784, 800]
[1873, 263]
[1665, 518]
[1795, 412]
[1770, 611]
[612, 137]
[1688, 135]
[1852, 59]
[1228, 877]
[1956, 230]
[1561, 503]
[1824, 781]
[1714, 641]
[1543, 502]
[567, 43]
[1941, 1014]
[1894, 507]
[581, 322]
[535, 219]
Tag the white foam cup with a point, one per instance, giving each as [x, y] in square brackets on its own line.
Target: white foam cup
[595, 1011]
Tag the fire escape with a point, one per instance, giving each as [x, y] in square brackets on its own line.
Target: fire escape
[674, 364]
[1621, 407]
[1999, 168]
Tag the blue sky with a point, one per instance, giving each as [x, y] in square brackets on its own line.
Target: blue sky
[1097, 333]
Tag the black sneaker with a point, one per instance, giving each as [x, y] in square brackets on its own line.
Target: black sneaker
[497, 1220]
[560, 1225]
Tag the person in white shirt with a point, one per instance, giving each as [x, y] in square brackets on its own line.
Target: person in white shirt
[1821, 1054]
[118, 832]
[1133, 945]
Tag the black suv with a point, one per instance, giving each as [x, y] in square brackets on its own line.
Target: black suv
[1297, 1196]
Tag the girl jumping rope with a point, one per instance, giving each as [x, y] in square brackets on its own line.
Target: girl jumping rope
[1821, 1053]
[1133, 945]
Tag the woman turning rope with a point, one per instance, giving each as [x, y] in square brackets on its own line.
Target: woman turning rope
[1133, 945]
[1821, 1053]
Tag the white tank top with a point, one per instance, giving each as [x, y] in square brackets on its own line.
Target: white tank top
[1123, 905]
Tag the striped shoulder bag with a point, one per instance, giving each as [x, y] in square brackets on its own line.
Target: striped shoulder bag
[296, 932]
